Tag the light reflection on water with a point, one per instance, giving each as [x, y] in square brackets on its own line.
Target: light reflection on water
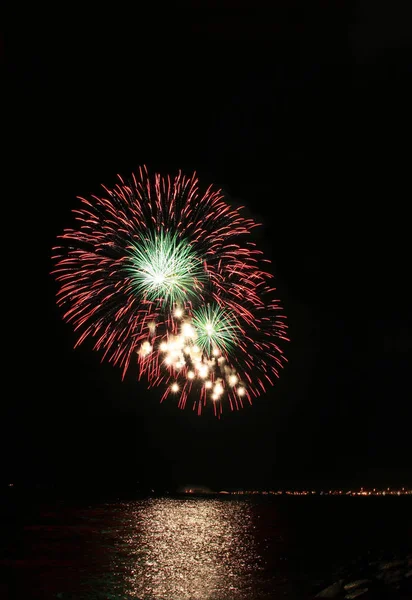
[197, 549]
[194, 548]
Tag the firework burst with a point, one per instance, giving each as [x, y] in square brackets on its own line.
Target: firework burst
[164, 268]
[159, 271]
[216, 329]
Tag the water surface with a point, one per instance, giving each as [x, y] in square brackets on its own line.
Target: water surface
[195, 548]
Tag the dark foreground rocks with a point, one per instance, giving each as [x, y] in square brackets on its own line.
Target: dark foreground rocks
[388, 578]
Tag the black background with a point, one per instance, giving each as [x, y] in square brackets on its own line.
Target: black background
[303, 115]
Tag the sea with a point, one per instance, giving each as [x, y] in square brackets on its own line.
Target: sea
[198, 548]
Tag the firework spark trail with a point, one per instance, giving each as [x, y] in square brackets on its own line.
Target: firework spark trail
[158, 270]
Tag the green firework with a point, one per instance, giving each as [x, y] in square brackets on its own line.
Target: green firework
[216, 328]
[165, 267]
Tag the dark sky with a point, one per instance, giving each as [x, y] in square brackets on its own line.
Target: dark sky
[304, 116]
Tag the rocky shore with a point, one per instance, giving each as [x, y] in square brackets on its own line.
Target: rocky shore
[378, 578]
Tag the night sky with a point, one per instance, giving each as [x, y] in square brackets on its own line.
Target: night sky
[303, 116]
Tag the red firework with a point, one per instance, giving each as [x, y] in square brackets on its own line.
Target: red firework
[146, 258]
